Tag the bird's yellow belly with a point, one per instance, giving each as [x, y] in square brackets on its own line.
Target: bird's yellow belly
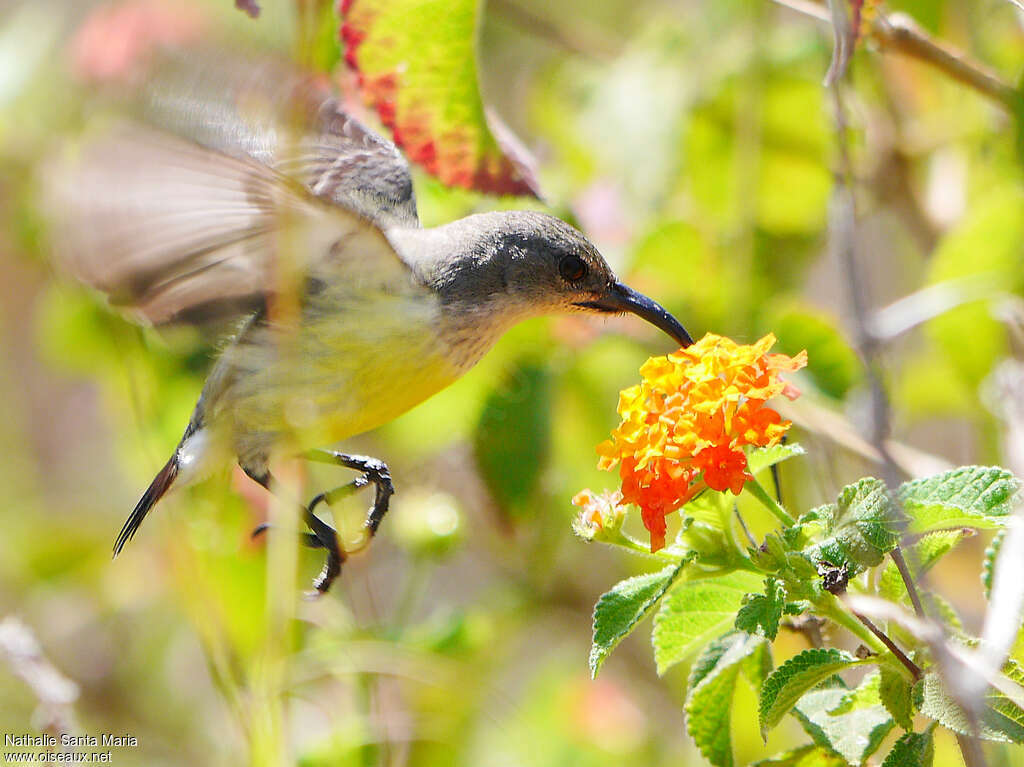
[338, 376]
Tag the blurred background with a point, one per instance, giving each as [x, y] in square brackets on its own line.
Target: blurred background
[695, 144]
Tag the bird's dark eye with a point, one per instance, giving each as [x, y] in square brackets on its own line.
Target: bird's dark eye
[572, 268]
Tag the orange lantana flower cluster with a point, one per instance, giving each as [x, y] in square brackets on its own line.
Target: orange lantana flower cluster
[685, 426]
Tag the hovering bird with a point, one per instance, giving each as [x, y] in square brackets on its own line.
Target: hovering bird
[236, 188]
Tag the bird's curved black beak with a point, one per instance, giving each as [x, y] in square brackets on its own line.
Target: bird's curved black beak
[622, 298]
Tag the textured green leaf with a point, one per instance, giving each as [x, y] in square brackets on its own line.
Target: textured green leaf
[914, 749]
[988, 569]
[856, 732]
[970, 496]
[864, 695]
[626, 604]
[1001, 719]
[761, 613]
[695, 612]
[512, 438]
[758, 665]
[861, 527]
[790, 681]
[765, 457]
[710, 692]
[416, 61]
[897, 695]
[920, 558]
[805, 756]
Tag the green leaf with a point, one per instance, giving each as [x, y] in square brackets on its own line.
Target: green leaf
[984, 243]
[864, 695]
[856, 731]
[512, 438]
[914, 749]
[799, 326]
[619, 610]
[710, 693]
[417, 65]
[763, 611]
[988, 569]
[790, 681]
[862, 526]
[758, 666]
[897, 695]
[920, 558]
[805, 756]
[695, 612]
[970, 496]
[765, 457]
[1001, 719]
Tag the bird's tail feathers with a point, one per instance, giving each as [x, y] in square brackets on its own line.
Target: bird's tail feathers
[156, 490]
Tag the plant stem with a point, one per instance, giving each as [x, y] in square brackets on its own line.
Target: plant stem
[755, 489]
[900, 34]
[632, 544]
[908, 580]
[835, 611]
[912, 667]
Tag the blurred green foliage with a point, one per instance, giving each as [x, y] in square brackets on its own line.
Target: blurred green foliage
[693, 142]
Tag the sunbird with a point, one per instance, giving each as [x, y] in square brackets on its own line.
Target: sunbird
[235, 189]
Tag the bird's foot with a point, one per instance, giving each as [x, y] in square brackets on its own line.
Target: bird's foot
[308, 539]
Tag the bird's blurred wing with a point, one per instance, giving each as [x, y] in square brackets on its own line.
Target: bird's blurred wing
[264, 108]
[172, 231]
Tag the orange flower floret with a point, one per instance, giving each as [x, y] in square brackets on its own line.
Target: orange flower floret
[685, 425]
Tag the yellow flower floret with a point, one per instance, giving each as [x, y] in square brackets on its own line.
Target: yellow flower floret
[685, 425]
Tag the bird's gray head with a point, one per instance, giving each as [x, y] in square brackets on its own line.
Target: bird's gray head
[504, 267]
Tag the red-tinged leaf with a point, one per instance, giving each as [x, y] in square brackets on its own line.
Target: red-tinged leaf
[416, 62]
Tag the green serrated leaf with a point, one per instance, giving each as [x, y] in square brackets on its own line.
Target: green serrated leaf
[805, 756]
[765, 457]
[695, 612]
[757, 666]
[980, 497]
[939, 607]
[619, 610]
[1001, 719]
[861, 527]
[761, 613]
[855, 732]
[920, 558]
[790, 681]
[709, 700]
[897, 695]
[988, 569]
[914, 749]
[864, 695]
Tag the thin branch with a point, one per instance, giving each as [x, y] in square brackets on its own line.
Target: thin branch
[901, 656]
[743, 525]
[56, 694]
[806, 8]
[908, 581]
[899, 33]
